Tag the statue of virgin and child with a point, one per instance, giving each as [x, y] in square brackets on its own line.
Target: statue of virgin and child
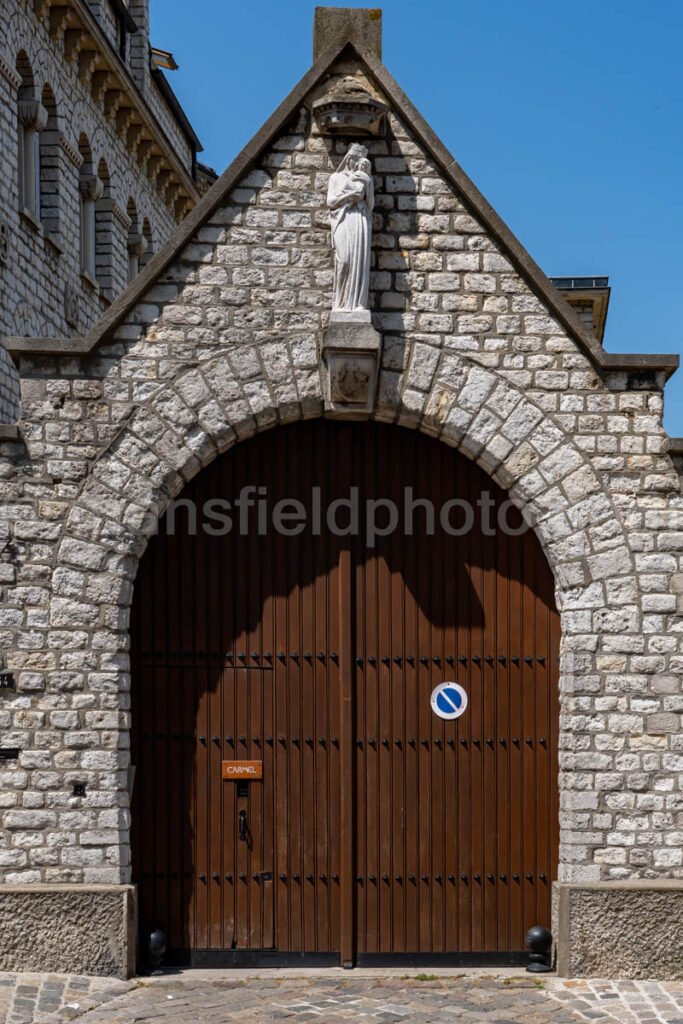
[351, 201]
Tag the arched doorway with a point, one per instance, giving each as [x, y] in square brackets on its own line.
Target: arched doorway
[302, 646]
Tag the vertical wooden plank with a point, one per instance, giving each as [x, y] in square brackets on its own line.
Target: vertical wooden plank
[411, 745]
[465, 601]
[346, 732]
[281, 661]
[432, 489]
[516, 745]
[336, 753]
[309, 809]
[530, 822]
[397, 733]
[501, 735]
[447, 556]
[382, 643]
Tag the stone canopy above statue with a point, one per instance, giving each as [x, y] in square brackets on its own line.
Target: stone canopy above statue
[349, 109]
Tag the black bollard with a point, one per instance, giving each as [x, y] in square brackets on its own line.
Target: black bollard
[539, 942]
[156, 947]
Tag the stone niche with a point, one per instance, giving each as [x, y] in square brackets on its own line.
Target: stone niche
[348, 109]
[350, 356]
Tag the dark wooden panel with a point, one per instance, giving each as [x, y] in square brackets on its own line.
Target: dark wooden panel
[456, 834]
[387, 831]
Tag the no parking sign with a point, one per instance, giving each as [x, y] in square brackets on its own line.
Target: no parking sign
[449, 701]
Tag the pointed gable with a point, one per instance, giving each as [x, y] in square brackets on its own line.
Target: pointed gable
[446, 264]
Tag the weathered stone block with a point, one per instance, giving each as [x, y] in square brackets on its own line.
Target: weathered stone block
[619, 929]
[67, 929]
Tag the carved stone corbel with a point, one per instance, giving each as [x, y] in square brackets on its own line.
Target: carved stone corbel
[112, 101]
[172, 192]
[137, 245]
[350, 357]
[182, 207]
[91, 187]
[163, 179]
[133, 136]
[87, 59]
[98, 85]
[58, 21]
[124, 117]
[33, 115]
[73, 42]
[144, 151]
[154, 166]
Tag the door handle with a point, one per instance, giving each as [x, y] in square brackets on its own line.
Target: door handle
[242, 826]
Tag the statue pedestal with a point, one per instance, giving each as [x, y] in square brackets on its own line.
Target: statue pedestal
[350, 356]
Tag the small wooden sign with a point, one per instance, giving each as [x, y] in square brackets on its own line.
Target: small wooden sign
[241, 771]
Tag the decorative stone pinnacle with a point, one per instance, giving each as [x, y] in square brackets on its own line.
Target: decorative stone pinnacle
[359, 24]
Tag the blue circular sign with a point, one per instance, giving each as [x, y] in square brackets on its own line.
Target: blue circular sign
[449, 701]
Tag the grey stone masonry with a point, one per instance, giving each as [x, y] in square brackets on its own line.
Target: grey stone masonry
[91, 129]
[220, 339]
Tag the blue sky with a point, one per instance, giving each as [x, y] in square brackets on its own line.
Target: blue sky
[567, 116]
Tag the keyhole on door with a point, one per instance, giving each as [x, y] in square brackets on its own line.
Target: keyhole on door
[242, 826]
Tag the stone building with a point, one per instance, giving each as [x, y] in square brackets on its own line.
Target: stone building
[266, 713]
[98, 164]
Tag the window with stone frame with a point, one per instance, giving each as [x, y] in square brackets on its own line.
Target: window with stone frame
[90, 189]
[32, 118]
[49, 170]
[105, 270]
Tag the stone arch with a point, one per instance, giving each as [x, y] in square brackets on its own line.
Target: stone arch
[205, 411]
[47, 73]
[24, 67]
[50, 170]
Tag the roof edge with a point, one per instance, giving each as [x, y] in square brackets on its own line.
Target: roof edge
[520, 258]
[185, 231]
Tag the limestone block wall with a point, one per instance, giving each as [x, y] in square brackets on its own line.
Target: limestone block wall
[225, 343]
[43, 264]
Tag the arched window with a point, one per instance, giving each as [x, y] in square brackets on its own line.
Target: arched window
[90, 190]
[104, 233]
[49, 163]
[32, 119]
[137, 243]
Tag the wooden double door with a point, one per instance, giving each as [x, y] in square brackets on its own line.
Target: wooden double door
[301, 655]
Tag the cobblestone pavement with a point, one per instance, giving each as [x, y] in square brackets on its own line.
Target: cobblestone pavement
[335, 997]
